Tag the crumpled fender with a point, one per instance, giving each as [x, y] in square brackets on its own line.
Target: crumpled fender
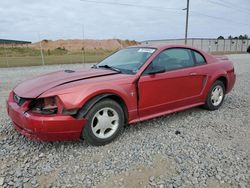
[77, 97]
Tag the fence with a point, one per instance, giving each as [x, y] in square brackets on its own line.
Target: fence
[209, 45]
[12, 57]
[57, 52]
[92, 51]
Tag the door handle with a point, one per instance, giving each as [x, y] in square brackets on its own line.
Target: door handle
[193, 74]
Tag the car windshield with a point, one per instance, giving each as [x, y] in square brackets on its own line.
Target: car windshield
[128, 60]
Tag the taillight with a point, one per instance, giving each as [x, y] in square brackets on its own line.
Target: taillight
[44, 105]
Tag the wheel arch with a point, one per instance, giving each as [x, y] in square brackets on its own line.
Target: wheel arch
[224, 80]
[92, 101]
[222, 77]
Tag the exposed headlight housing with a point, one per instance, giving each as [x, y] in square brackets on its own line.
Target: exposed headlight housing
[18, 100]
[44, 105]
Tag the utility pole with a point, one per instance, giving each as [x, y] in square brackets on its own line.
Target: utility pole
[6, 56]
[68, 41]
[83, 46]
[41, 49]
[187, 15]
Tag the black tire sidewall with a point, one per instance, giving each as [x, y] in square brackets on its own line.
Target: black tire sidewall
[87, 132]
[209, 105]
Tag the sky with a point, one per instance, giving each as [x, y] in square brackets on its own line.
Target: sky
[125, 19]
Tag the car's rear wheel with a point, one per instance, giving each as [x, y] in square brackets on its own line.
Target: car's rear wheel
[105, 122]
[215, 96]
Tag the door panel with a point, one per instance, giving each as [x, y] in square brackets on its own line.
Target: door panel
[180, 86]
[162, 92]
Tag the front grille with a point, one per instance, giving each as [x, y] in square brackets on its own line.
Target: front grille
[18, 100]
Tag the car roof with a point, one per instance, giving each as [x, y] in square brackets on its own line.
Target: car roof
[164, 46]
[161, 47]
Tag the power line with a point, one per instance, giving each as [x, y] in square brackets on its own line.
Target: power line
[220, 18]
[130, 5]
[230, 6]
[234, 5]
[178, 11]
[169, 8]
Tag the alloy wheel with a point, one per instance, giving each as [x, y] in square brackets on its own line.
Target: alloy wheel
[105, 122]
[217, 95]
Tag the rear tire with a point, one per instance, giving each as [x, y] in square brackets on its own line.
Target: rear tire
[105, 123]
[215, 96]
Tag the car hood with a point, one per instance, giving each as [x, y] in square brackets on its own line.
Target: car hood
[34, 87]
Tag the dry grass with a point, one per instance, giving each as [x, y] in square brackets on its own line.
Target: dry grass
[30, 57]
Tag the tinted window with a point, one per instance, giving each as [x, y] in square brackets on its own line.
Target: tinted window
[171, 59]
[199, 58]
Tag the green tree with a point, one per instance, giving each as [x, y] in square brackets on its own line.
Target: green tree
[220, 37]
[241, 37]
[230, 37]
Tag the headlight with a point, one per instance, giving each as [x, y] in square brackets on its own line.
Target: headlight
[44, 105]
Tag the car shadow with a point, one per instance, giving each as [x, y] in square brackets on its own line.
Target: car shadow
[137, 127]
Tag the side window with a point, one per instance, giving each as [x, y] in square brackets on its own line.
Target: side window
[172, 59]
[199, 58]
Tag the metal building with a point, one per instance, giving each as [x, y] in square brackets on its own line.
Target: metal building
[208, 44]
[7, 41]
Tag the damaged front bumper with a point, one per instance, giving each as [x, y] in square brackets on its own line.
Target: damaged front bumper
[56, 127]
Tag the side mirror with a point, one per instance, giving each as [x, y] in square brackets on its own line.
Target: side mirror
[157, 69]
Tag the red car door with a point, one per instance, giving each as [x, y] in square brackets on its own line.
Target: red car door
[181, 84]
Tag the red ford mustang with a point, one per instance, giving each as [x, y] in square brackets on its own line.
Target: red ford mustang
[132, 85]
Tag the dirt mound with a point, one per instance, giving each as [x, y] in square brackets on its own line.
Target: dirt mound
[76, 44]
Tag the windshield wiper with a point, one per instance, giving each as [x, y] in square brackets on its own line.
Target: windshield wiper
[110, 67]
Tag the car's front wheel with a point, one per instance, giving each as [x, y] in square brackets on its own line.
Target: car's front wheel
[215, 96]
[105, 122]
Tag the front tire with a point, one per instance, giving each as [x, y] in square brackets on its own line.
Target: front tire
[105, 123]
[215, 96]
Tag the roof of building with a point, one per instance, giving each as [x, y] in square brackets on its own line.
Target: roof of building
[7, 41]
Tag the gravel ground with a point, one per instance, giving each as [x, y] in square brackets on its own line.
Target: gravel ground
[193, 148]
